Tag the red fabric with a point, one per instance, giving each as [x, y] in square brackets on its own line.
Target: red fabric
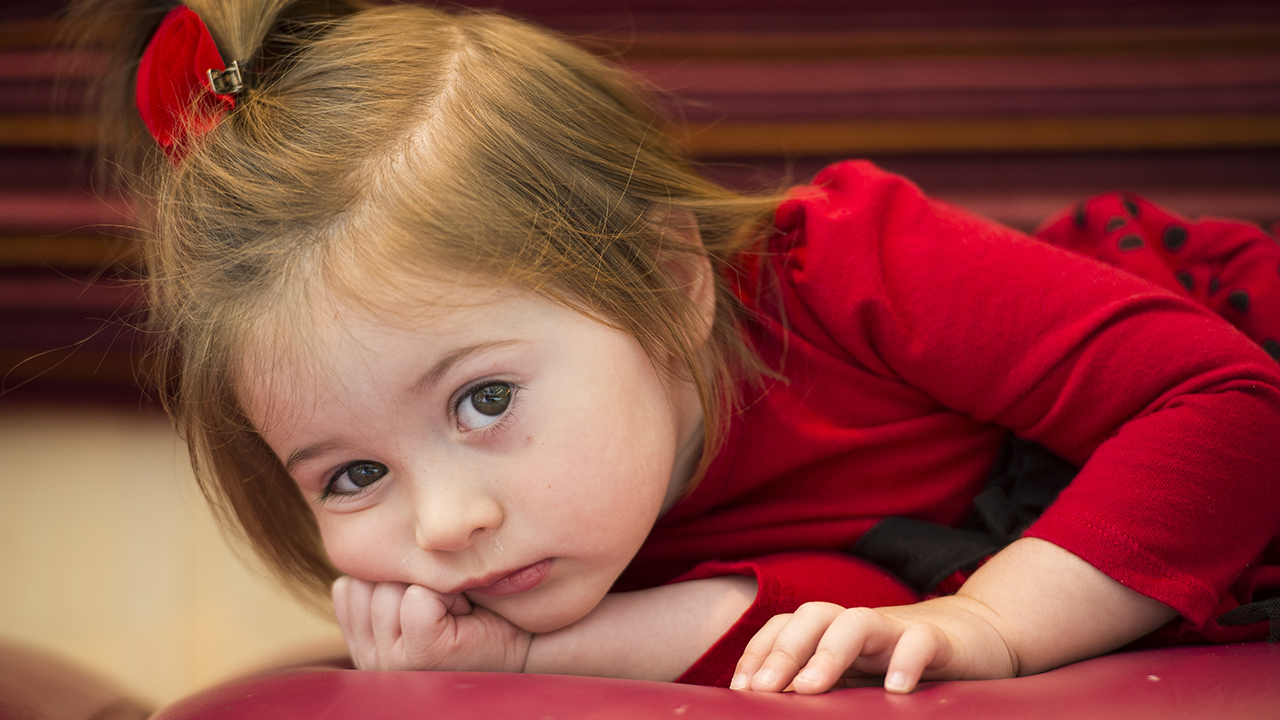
[1230, 267]
[173, 92]
[917, 336]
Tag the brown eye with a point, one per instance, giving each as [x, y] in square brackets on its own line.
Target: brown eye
[364, 474]
[492, 399]
[484, 404]
[353, 478]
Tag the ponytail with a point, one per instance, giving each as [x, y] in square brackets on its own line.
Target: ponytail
[263, 36]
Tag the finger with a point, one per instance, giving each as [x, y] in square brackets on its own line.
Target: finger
[359, 628]
[385, 619]
[918, 648]
[794, 646]
[457, 604]
[339, 590]
[757, 650]
[853, 633]
[421, 615]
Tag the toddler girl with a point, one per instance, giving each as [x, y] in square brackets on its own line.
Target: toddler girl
[454, 332]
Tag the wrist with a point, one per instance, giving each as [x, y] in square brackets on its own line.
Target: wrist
[977, 648]
[978, 627]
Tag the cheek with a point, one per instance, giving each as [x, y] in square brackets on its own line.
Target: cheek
[617, 459]
[602, 481]
[358, 547]
[603, 455]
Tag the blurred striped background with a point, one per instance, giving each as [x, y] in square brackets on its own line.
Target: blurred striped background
[1012, 108]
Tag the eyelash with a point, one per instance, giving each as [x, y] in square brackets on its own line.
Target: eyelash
[327, 495]
[498, 425]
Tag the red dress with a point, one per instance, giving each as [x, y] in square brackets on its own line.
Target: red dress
[916, 337]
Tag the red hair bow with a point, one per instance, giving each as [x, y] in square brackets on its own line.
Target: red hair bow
[184, 87]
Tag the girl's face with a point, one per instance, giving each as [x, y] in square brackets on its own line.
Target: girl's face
[514, 451]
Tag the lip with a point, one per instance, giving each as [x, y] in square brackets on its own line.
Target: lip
[515, 581]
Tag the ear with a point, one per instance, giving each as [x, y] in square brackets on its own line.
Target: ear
[689, 265]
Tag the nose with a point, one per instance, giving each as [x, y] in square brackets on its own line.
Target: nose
[451, 518]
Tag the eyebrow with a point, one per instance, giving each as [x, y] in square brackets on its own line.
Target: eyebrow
[304, 454]
[446, 363]
[429, 378]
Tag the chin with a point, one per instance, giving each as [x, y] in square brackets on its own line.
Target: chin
[543, 617]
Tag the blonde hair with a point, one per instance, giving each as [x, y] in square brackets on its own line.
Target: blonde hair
[383, 143]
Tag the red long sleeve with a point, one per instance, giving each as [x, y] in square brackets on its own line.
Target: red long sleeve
[914, 336]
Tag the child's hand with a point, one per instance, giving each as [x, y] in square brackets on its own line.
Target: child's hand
[1032, 607]
[815, 648]
[393, 626]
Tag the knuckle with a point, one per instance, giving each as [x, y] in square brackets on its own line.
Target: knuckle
[766, 635]
[868, 618]
[931, 636]
[416, 595]
[388, 589]
[864, 613]
[818, 609]
[758, 648]
[785, 654]
[824, 654]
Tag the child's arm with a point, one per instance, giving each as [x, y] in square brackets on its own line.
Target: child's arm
[1031, 608]
[650, 634]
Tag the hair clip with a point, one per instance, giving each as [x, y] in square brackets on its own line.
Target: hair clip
[184, 87]
[226, 82]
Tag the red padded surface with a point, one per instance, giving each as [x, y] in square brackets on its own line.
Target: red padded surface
[1237, 681]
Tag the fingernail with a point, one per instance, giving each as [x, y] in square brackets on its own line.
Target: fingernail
[896, 682]
[809, 675]
[739, 681]
[765, 677]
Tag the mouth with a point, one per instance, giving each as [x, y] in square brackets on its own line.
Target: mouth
[516, 581]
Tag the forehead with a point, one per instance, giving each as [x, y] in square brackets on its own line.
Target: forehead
[332, 349]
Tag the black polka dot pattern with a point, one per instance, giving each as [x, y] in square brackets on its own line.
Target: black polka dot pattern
[1239, 300]
[1272, 347]
[1228, 267]
[1130, 242]
[1175, 236]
